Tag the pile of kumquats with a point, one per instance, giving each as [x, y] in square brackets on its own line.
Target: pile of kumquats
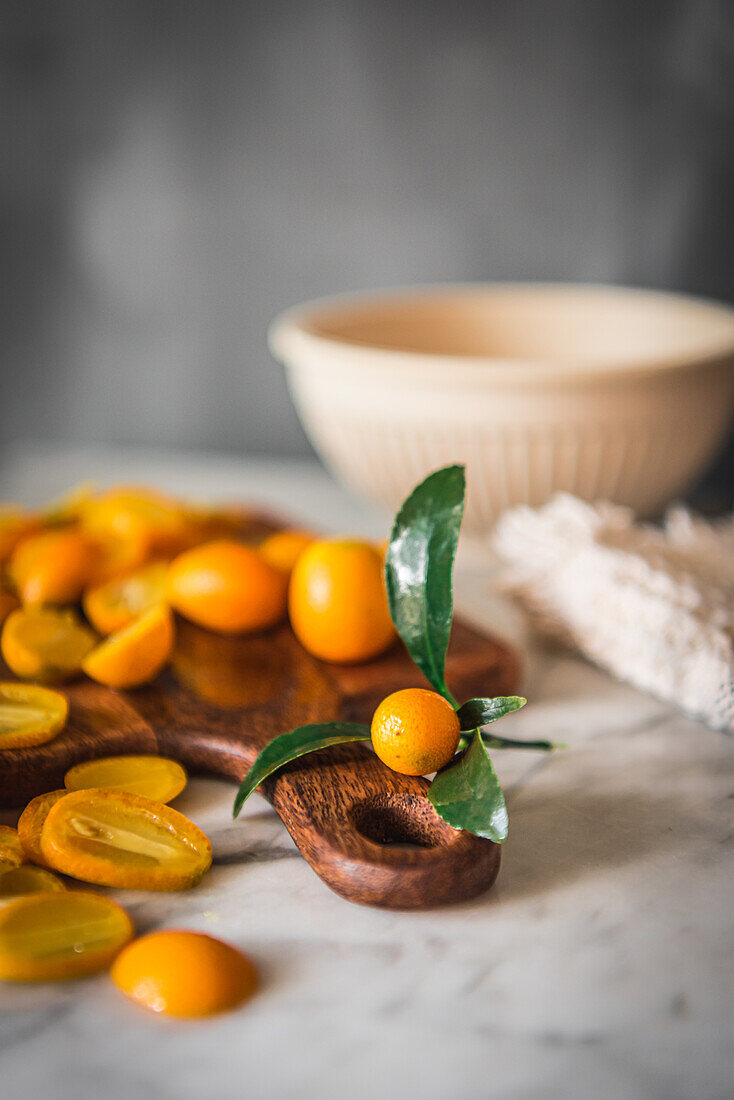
[88, 586]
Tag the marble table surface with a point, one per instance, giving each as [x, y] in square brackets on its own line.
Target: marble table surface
[600, 965]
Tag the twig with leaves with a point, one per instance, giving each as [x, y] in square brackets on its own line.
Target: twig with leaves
[419, 576]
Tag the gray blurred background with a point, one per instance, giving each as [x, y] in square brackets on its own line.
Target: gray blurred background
[174, 173]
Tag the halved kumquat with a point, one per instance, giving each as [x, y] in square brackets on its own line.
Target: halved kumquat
[154, 777]
[135, 655]
[113, 838]
[45, 644]
[60, 934]
[114, 605]
[186, 974]
[30, 715]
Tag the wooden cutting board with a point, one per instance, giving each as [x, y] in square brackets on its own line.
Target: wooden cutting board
[369, 833]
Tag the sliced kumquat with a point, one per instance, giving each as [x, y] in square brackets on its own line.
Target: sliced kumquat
[184, 974]
[11, 853]
[30, 715]
[53, 567]
[283, 548]
[21, 881]
[136, 654]
[116, 604]
[45, 644]
[153, 777]
[113, 838]
[30, 824]
[60, 934]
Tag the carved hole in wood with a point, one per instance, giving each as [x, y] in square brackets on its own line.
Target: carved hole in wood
[397, 820]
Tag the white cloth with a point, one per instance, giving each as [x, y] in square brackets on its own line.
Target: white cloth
[654, 606]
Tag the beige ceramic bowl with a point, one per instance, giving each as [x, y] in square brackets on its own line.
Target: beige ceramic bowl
[603, 391]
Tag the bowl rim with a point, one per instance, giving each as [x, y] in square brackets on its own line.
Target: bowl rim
[293, 343]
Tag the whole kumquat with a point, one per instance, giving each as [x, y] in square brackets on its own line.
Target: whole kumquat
[60, 934]
[29, 715]
[227, 587]
[415, 731]
[154, 777]
[53, 567]
[338, 602]
[283, 548]
[138, 514]
[113, 838]
[135, 655]
[45, 644]
[184, 974]
[30, 824]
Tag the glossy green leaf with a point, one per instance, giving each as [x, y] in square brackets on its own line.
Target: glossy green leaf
[419, 567]
[467, 794]
[480, 712]
[289, 746]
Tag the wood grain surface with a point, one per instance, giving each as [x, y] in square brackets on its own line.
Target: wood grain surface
[369, 833]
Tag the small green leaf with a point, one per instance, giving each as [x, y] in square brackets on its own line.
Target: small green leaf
[467, 794]
[419, 567]
[480, 712]
[289, 746]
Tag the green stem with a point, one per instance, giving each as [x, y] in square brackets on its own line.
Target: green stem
[492, 741]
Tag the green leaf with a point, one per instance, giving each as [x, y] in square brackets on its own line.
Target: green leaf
[467, 794]
[289, 746]
[419, 567]
[480, 712]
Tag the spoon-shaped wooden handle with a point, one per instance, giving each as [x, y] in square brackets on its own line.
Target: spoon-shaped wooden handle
[369, 833]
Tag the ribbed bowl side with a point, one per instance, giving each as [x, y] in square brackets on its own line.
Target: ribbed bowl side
[639, 441]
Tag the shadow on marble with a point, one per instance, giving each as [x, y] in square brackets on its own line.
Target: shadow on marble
[558, 840]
